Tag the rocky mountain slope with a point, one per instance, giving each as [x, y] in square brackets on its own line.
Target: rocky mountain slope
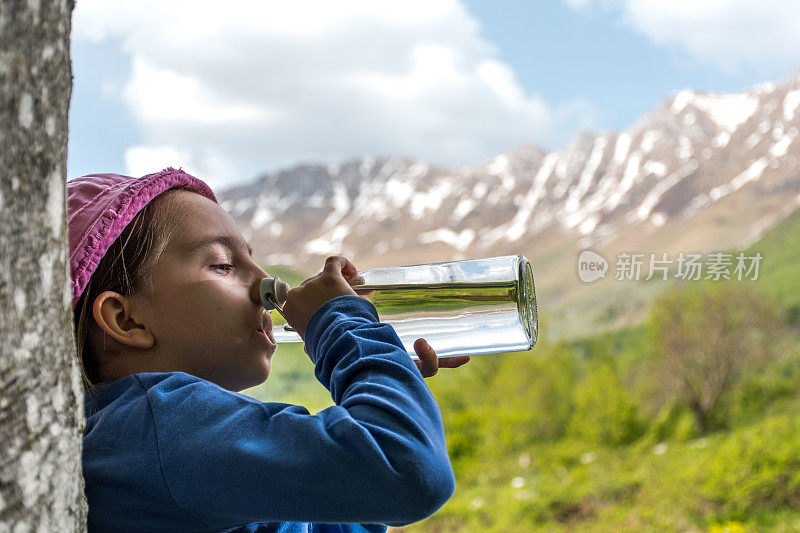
[701, 172]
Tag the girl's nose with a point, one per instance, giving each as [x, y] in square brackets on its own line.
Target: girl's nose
[258, 275]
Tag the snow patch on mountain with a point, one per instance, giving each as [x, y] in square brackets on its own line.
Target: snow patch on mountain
[752, 173]
[790, 103]
[728, 111]
[460, 241]
[658, 191]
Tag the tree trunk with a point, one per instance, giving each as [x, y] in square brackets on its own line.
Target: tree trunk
[700, 419]
[41, 395]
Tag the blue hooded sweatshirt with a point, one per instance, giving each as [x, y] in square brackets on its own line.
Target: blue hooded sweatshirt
[173, 452]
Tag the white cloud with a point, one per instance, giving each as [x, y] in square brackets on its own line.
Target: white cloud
[162, 95]
[729, 34]
[141, 160]
[250, 86]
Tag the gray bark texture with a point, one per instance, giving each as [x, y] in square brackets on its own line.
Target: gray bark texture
[41, 394]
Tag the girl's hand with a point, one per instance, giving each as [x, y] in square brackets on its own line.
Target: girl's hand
[303, 301]
[429, 363]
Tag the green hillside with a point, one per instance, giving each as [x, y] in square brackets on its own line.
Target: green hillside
[780, 267]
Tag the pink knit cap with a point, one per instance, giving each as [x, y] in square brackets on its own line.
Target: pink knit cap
[100, 206]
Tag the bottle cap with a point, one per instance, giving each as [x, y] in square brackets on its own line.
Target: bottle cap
[273, 291]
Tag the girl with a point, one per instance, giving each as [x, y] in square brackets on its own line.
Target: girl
[170, 325]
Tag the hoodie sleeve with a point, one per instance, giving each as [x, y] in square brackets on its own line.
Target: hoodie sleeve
[377, 456]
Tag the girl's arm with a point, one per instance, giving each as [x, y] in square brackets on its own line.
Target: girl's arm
[377, 456]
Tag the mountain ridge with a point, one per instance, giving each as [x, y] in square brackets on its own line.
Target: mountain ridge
[723, 163]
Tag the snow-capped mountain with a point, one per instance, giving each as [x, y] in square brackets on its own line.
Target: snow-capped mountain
[700, 172]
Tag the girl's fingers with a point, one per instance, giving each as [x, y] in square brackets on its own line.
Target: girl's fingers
[343, 265]
[334, 264]
[339, 266]
[453, 362]
[355, 280]
[428, 363]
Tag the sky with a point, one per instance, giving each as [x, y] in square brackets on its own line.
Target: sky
[229, 94]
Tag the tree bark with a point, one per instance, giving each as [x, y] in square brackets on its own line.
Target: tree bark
[41, 403]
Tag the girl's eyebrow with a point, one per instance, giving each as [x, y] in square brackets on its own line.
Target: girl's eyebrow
[229, 241]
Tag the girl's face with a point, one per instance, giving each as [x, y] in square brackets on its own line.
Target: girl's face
[205, 309]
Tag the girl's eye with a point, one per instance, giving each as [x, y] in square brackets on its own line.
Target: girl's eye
[222, 266]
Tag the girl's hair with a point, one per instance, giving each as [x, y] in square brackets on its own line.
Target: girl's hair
[126, 268]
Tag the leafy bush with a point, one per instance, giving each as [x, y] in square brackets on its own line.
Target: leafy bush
[605, 412]
[531, 393]
[756, 469]
[710, 335]
[673, 422]
[499, 404]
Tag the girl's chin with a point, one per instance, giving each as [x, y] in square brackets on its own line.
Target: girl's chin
[256, 376]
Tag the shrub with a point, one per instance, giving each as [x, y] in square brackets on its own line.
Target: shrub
[756, 470]
[604, 411]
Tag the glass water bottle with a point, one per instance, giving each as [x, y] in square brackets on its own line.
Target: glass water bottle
[469, 307]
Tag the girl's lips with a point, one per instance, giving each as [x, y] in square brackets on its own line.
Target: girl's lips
[267, 334]
[266, 327]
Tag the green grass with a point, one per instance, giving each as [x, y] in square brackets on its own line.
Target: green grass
[743, 477]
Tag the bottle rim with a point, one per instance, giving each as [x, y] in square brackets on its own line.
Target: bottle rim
[526, 300]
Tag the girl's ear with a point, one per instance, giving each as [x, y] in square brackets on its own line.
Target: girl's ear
[113, 313]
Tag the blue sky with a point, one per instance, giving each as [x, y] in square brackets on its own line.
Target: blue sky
[564, 53]
[228, 95]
